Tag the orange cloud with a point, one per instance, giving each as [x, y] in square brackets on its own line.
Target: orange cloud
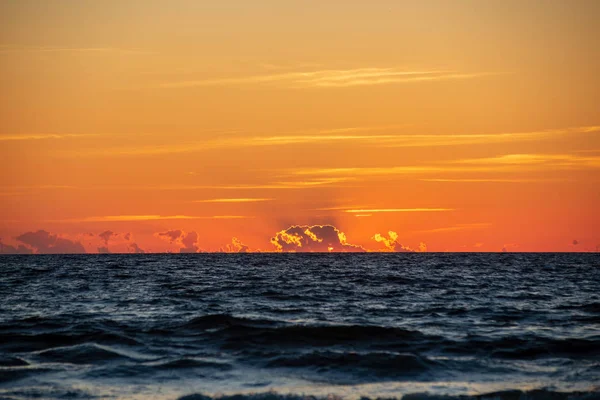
[236, 246]
[396, 210]
[45, 136]
[316, 238]
[331, 78]
[233, 200]
[391, 243]
[124, 218]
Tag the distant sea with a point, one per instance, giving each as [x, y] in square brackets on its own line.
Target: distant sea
[267, 326]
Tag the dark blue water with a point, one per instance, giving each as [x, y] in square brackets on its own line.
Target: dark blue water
[352, 325]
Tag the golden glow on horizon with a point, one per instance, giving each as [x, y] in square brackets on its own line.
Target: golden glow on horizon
[454, 125]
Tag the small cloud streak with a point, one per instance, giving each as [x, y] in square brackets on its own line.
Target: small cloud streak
[45, 136]
[338, 136]
[459, 227]
[552, 160]
[4, 49]
[128, 218]
[396, 210]
[239, 200]
[306, 183]
[316, 238]
[330, 78]
[485, 180]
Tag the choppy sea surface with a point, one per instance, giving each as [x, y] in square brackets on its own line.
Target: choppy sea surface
[348, 325]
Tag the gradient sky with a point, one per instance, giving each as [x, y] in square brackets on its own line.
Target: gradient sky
[457, 125]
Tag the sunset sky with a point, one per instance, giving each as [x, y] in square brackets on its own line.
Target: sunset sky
[378, 125]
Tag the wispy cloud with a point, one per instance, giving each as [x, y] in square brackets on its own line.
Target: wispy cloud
[459, 227]
[425, 140]
[123, 218]
[503, 163]
[331, 78]
[27, 189]
[8, 48]
[351, 135]
[486, 180]
[396, 210]
[305, 183]
[231, 142]
[557, 160]
[234, 200]
[45, 136]
[361, 211]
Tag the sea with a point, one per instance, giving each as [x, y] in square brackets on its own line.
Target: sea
[298, 326]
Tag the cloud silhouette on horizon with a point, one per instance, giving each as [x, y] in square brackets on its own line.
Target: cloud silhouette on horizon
[188, 242]
[8, 249]
[134, 248]
[106, 236]
[316, 238]
[236, 246]
[507, 247]
[103, 250]
[44, 242]
[391, 243]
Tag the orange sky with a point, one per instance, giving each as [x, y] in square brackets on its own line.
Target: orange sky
[457, 125]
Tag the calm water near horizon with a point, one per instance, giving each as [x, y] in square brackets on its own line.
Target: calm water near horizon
[166, 325]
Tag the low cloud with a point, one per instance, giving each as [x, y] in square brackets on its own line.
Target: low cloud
[103, 250]
[134, 248]
[106, 235]
[509, 247]
[316, 238]
[391, 243]
[236, 246]
[188, 242]
[8, 249]
[44, 242]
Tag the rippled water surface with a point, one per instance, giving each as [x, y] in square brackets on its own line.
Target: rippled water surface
[165, 326]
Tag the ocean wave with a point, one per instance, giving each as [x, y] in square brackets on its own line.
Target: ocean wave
[23, 342]
[379, 364]
[183, 363]
[220, 321]
[12, 374]
[88, 353]
[539, 394]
